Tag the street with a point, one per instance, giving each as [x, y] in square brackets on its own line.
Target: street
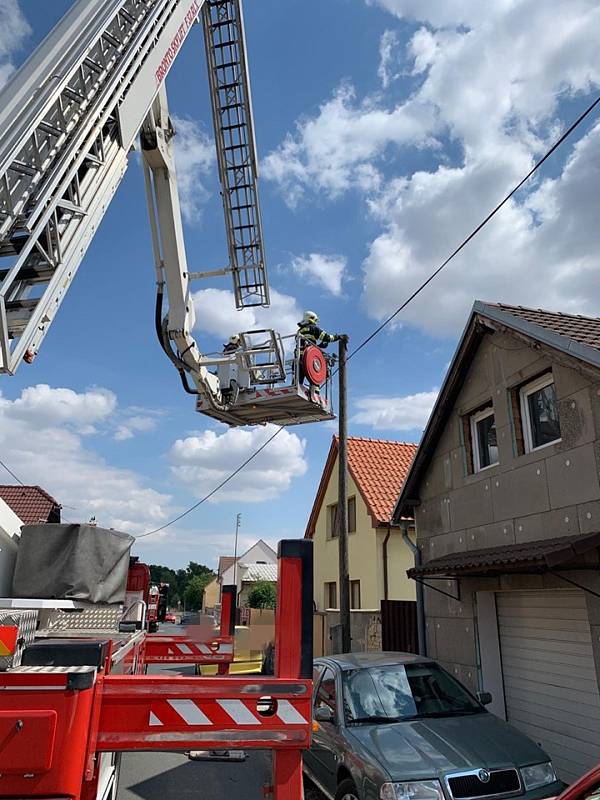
[172, 776]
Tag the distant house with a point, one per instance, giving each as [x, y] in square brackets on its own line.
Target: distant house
[378, 558]
[505, 491]
[250, 574]
[30, 503]
[211, 596]
[259, 560]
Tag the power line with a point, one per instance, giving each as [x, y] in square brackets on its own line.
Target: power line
[474, 233]
[216, 489]
[408, 300]
[10, 472]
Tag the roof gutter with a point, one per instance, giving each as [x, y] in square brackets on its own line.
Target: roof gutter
[421, 636]
[385, 561]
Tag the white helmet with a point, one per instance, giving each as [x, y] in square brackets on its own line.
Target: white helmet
[310, 318]
[235, 339]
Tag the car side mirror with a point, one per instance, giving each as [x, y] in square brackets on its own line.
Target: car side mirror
[324, 714]
[485, 698]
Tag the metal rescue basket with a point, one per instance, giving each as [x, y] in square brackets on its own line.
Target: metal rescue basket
[269, 388]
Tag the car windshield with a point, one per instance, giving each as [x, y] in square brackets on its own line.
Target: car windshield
[404, 691]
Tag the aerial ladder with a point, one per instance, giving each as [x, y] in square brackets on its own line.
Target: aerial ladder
[70, 118]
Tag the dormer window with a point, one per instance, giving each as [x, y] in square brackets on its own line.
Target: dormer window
[484, 440]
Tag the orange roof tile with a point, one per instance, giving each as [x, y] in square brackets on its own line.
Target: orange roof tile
[378, 467]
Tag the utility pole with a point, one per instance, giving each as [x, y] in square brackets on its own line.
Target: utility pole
[342, 511]
[238, 521]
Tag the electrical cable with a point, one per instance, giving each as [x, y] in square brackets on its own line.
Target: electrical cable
[409, 299]
[10, 472]
[474, 233]
[217, 488]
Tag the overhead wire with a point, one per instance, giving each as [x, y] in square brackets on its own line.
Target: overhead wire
[10, 472]
[401, 307]
[216, 489]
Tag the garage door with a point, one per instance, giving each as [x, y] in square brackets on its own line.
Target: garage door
[550, 680]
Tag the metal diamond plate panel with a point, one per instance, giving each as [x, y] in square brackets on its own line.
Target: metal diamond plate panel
[26, 623]
[92, 617]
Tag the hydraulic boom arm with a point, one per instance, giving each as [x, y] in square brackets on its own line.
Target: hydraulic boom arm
[70, 117]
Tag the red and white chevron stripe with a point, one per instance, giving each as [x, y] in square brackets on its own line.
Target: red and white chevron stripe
[180, 711]
[182, 650]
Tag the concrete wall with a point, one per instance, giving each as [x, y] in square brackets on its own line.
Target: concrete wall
[552, 492]
[365, 629]
[365, 554]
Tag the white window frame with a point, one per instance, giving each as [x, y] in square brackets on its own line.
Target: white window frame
[474, 419]
[525, 391]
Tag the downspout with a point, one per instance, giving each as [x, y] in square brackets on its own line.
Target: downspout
[385, 562]
[422, 638]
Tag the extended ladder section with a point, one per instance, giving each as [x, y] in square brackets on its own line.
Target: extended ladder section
[68, 119]
[236, 149]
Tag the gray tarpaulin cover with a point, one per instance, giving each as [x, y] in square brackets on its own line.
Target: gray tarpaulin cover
[72, 562]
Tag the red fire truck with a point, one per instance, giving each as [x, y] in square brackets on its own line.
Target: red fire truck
[75, 693]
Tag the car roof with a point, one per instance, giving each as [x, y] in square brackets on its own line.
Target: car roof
[347, 661]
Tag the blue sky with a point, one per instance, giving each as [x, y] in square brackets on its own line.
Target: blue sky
[386, 129]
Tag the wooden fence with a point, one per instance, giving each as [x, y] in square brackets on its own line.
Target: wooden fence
[399, 626]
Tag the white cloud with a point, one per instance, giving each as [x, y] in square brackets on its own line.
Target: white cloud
[321, 269]
[194, 158]
[14, 28]
[491, 78]
[406, 413]
[42, 440]
[440, 13]
[136, 423]
[202, 461]
[216, 314]
[42, 405]
[335, 151]
[388, 67]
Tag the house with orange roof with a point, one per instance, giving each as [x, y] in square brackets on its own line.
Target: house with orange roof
[378, 557]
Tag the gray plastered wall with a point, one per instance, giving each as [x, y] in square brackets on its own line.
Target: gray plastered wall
[551, 492]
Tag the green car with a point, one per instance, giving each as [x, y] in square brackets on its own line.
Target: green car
[395, 726]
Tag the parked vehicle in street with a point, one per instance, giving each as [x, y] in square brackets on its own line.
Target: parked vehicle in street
[170, 617]
[396, 726]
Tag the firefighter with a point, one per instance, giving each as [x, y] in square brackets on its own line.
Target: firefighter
[309, 333]
[232, 345]
[232, 376]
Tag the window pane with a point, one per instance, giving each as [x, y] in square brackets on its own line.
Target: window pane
[332, 521]
[351, 514]
[543, 413]
[355, 594]
[331, 595]
[326, 691]
[402, 691]
[487, 442]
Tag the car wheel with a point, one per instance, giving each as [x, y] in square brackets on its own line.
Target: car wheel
[347, 791]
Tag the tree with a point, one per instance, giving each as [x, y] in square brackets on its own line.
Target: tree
[262, 595]
[160, 574]
[178, 580]
[194, 590]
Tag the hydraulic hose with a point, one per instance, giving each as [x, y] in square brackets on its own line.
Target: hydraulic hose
[164, 343]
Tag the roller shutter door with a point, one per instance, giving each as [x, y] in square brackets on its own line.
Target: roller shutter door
[550, 680]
